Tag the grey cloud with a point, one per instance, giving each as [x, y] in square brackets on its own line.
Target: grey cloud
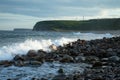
[46, 8]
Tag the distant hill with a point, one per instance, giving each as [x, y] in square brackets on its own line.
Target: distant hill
[22, 29]
[72, 25]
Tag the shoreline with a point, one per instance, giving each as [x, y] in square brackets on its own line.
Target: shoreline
[102, 54]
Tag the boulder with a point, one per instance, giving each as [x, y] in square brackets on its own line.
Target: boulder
[61, 71]
[114, 58]
[35, 63]
[19, 63]
[91, 59]
[41, 53]
[60, 77]
[6, 63]
[67, 58]
[109, 50]
[32, 53]
[109, 54]
[97, 64]
[53, 47]
[80, 59]
[18, 57]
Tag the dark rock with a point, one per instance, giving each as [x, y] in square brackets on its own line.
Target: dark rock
[109, 54]
[61, 71]
[40, 55]
[18, 57]
[109, 50]
[67, 58]
[36, 78]
[91, 59]
[97, 64]
[43, 79]
[114, 58]
[35, 63]
[80, 59]
[19, 63]
[104, 59]
[6, 63]
[60, 77]
[32, 53]
[99, 78]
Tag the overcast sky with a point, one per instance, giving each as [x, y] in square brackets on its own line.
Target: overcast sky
[25, 13]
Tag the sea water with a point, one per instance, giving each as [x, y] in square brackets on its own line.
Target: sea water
[20, 42]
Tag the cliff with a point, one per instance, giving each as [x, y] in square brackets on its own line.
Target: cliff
[72, 25]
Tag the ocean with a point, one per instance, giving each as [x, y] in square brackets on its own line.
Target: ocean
[20, 42]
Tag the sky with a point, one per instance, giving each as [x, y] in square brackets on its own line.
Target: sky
[25, 13]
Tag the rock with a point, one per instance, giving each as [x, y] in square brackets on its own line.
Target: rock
[19, 63]
[109, 54]
[35, 63]
[91, 59]
[6, 63]
[60, 77]
[32, 53]
[43, 79]
[18, 57]
[104, 59]
[114, 58]
[97, 64]
[61, 71]
[41, 54]
[99, 78]
[109, 50]
[67, 58]
[53, 47]
[80, 59]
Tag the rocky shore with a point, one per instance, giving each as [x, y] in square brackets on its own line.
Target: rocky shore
[102, 54]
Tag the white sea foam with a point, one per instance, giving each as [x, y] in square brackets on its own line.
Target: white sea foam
[9, 51]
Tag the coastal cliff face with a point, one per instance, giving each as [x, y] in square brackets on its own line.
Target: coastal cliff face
[72, 25]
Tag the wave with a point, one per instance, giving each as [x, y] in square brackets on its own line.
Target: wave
[9, 51]
[91, 36]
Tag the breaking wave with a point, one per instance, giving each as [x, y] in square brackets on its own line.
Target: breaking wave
[9, 51]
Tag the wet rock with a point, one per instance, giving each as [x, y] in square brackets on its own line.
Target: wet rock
[99, 78]
[91, 59]
[6, 63]
[19, 63]
[53, 47]
[61, 71]
[104, 59]
[109, 50]
[35, 63]
[37, 78]
[109, 54]
[18, 57]
[80, 59]
[60, 77]
[43, 79]
[32, 53]
[67, 58]
[114, 58]
[97, 64]
[41, 54]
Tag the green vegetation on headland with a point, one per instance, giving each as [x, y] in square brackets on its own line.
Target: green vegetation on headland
[73, 25]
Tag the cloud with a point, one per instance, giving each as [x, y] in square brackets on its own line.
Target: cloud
[11, 21]
[24, 13]
[52, 8]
